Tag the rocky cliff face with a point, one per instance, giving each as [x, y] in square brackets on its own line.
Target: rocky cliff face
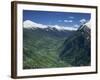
[77, 48]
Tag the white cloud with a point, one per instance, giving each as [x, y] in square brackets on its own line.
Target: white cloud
[31, 24]
[66, 21]
[76, 26]
[63, 27]
[70, 21]
[82, 21]
[69, 28]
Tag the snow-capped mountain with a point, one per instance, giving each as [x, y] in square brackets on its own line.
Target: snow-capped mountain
[85, 28]
[31, 24]
[88, 24]
[85, 25]
[34, 25]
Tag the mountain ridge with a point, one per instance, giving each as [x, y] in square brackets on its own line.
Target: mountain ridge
[30, 24]
[76, 49]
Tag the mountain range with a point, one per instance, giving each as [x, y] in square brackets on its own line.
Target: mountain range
[33, 25]
[47, 46]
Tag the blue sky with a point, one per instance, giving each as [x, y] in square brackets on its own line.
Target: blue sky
[66, 19]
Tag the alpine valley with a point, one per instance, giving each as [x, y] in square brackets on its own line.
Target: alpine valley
[54, 46]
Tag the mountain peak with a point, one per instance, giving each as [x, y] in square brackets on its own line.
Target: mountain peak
[87, 24]
[31, 24]
[28, 24]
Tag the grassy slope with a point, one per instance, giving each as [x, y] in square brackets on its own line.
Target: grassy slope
[46, 50]
[42, 51]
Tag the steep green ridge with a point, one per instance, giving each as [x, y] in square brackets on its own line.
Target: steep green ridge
[76, 49]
